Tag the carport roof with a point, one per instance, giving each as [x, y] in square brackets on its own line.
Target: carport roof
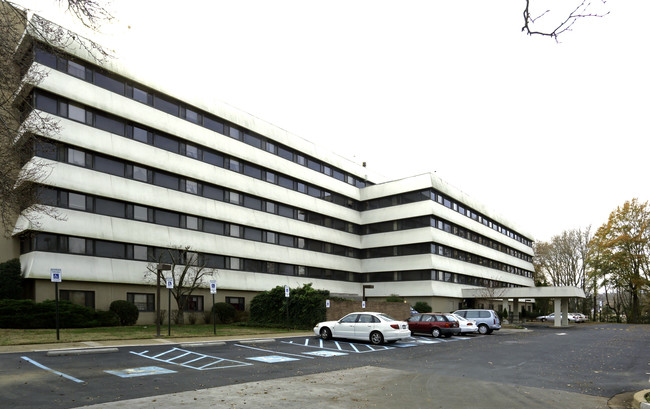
[524, 292]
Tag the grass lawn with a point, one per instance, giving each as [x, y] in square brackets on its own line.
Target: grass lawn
[46, 336]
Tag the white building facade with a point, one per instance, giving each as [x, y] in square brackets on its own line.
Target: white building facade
[138, 168]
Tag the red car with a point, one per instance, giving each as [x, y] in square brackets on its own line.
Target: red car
[434, 323]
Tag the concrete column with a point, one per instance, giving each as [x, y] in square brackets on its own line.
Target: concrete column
[558, 312]
[515, 310]
[565, 312]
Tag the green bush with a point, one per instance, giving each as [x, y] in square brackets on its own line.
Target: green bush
[225, 312]
[11, 280]
[126, 311]
[422, 306]
[394, 298]
[26, 314]
[306, 307]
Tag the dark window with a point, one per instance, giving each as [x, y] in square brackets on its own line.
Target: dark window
[45, 58]
[165, 180]
[143, 96]
[85, 298]
[285, 240]
[285, 182]
[253, 171]
[45, 149]
[252, 140]
[213, 226]
[193, 302]
[167, 218]
[166, 143]
[116, 126]
[108, 83]
[212, 192]
[213, 158]
[214, 261]
[285, 153]
[109, 207]
[213, 124]
[107, 165]
[252, 234]
[45, 103]
[109, 249]
[46, 242]
[144, 302]
[237, 302]
[165, 106]
[47, 196]
[285, 211]
[313, 164]
[252, 203]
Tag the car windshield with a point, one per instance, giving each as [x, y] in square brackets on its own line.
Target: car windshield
[459, 318]
[451, 318]
[386, 317]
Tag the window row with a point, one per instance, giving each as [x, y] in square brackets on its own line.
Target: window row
[430, 221]
[435, 275]
[55, 105]
[445, 251]
[431, 194]
[146, 302]
[49, 242]
[75, 156]
[137, 92]
[116, 208]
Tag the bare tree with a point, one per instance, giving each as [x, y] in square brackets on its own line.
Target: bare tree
[539, 20]
[187, 272]
[21, 127]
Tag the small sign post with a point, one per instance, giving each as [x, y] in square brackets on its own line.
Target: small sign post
[286, 295]
[170, 285]
[213, 291]
[55, 277]
[363, 305]
[327, 303]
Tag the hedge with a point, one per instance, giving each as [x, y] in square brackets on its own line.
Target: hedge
[26, 314]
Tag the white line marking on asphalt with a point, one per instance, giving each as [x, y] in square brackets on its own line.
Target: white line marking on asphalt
[72, 378]
[267, 350]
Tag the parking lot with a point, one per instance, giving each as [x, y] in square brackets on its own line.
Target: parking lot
[542, 359]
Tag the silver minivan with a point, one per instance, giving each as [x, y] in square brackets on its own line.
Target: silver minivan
[486, 320]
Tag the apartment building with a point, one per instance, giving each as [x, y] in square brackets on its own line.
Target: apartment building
[140, 168]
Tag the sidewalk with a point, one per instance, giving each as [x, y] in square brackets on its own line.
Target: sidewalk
[90, 345]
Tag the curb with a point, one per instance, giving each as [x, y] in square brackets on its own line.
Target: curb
[86, 351]
[640, 401]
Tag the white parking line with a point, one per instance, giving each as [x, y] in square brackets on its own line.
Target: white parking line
[72, 378]
[275, 352]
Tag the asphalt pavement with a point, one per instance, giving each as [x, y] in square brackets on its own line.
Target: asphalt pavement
[369, 386]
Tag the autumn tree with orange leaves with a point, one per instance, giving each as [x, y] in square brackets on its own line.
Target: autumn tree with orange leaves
[620, 255]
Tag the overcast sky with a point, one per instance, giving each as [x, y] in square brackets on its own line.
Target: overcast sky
[553, 136]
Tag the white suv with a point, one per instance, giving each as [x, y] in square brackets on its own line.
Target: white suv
[486, 320]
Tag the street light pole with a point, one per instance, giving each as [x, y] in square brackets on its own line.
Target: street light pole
[368, 286]
[159, 269]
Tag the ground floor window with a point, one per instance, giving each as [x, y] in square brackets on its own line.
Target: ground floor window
[85, 298]
[237, 302]
[194, 303]
[144, 302]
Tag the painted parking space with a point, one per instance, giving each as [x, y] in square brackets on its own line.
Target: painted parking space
[192, 360]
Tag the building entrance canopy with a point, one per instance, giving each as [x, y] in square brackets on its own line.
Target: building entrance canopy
[561, 296]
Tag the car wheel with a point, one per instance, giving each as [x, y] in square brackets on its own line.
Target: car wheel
[435, 332]
[483, 329]
[543, 319]
[325, 333]
[376, 338]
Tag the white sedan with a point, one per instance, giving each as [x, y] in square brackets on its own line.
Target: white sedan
[466, 326]
[375, 327]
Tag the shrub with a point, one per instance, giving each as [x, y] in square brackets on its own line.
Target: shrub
[394, 298]
[11, 280]
[225, 312]
[126, 311]
[422, 306]
[306, 307]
